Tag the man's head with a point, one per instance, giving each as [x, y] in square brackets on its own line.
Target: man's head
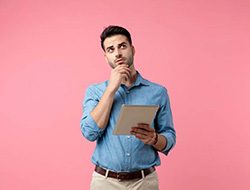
[117, 46]
[114, 30]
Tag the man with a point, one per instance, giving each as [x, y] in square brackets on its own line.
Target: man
[125, 162]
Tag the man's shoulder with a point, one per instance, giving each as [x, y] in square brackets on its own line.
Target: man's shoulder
[151, 84]
[96, 89]
[100, 85]
[156, 86]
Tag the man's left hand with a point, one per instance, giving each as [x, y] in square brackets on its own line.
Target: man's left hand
[145, 133]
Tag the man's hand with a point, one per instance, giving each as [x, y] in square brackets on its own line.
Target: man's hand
[117, 74]
[145, 133]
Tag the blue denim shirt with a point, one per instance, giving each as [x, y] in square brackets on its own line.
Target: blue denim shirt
[120, 152]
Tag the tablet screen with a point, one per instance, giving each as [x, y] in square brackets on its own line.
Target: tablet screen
[131, 115]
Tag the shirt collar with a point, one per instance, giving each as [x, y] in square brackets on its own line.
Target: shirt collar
[140, 80]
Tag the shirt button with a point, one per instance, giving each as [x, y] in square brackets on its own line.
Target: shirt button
[128, 137]
[128, 154]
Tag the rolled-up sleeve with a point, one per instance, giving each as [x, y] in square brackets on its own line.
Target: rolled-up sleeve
[165, 125]
[89, 128]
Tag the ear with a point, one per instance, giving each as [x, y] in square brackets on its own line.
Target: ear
[105, 57]
[133, 50]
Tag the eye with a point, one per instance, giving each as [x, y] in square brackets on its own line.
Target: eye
[123, 46]
[110, 50]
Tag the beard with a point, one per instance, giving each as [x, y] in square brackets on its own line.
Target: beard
[129, 61]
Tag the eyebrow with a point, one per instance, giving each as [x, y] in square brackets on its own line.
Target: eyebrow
[118, 45]
[122, 43]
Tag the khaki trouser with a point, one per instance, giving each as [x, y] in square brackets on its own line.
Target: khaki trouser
[100, 182]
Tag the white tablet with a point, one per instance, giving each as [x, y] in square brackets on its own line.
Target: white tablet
[131, 115]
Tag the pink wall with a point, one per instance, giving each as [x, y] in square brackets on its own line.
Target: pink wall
[50, 53]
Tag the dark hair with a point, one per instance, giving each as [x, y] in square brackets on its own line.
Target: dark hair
[114, 30]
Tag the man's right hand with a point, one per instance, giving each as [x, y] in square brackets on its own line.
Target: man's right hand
[117, 75]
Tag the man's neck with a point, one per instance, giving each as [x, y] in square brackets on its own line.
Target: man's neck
[131, 80]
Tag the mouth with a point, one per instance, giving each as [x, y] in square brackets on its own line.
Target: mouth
[120, 61]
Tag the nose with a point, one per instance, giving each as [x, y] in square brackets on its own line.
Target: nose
[118, 53]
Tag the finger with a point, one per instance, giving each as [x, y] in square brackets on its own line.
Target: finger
[144, 124]
[126, 76]
[121, 66]
[141, 136]
[145, 127]
[144, 139]
[140, 131]
[124, 70]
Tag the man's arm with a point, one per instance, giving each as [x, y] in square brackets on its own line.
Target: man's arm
[96, 109]
[101, 112]
[148, 135]
[164, 138]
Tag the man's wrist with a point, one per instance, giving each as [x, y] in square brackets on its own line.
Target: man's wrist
[110, 91]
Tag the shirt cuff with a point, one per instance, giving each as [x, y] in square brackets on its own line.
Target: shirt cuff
[170, 143]
[91, 122]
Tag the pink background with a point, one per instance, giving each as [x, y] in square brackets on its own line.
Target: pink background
[50, 53]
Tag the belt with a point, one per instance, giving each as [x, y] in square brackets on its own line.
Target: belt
[125, 175]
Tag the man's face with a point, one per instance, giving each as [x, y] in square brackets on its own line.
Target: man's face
[118, 51]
